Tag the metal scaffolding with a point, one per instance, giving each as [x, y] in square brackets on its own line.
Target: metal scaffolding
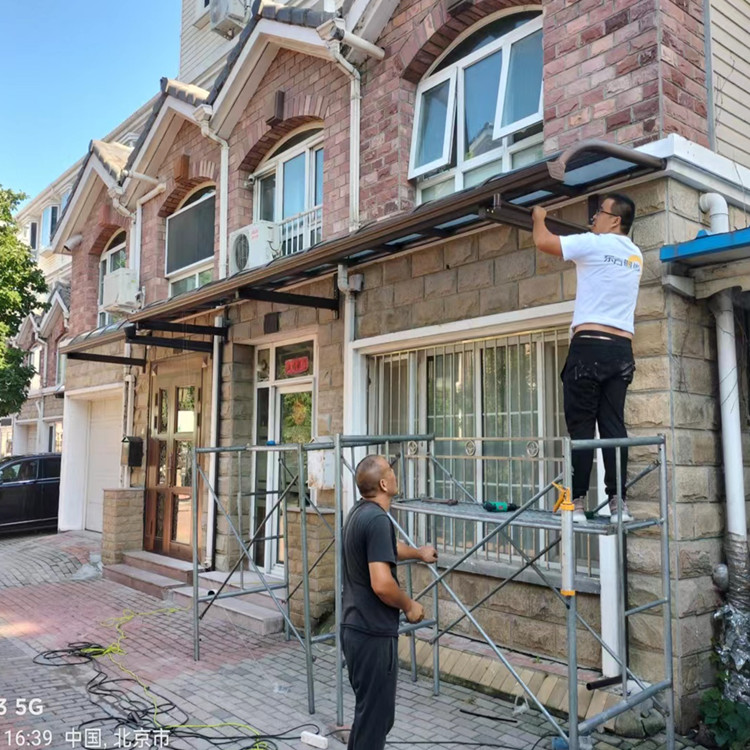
[431, 478]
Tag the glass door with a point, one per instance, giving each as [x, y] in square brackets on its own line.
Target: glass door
[284, 415]
[175, 426]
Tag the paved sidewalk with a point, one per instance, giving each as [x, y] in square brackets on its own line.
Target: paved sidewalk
[240, 678]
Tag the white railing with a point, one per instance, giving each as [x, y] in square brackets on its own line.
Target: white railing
[301, 231]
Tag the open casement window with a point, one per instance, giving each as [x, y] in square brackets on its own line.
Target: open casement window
[479, 112]
[113, 258]
[35, 361]
[190, 242]
[289, 191]
[33, 239]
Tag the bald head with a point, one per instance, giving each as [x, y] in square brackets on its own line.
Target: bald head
[370, 471]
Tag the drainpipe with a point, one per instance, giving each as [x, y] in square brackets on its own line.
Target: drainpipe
[354, 130]
[205, 112]
[716, 206]
[136, 263]
[213, 438]
[129, 379]
[349, 285]
[731, 438]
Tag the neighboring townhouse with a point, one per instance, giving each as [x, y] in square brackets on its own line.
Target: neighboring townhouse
[330, 234]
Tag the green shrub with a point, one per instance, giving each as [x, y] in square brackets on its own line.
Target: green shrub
[728, 721]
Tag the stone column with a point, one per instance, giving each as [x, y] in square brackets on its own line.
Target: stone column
[122, 526]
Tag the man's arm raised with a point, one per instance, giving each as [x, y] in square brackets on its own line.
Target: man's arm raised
[546, 241]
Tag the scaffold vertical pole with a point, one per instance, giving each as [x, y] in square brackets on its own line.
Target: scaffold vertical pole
[666, 590]
[338, 528]
[569, 592]
[302, 494]
[622, 593]
[194, 508]
[436, 643]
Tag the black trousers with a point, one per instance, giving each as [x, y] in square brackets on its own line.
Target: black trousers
[372, 662]
[595, 378]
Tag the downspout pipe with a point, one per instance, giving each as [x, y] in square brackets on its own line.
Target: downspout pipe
[715, 205]
[138, 240]
[722, 306]
[354, 131]
[223, 192]
[213, 467]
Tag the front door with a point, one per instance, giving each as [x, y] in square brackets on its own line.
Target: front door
[175, 425]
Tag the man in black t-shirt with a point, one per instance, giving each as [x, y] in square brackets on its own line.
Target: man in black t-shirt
[372, 600]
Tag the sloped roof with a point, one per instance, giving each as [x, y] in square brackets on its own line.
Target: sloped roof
[186, 92]
[113, 156]
[273, 12]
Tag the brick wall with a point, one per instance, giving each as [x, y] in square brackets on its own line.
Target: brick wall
[101, 224]
[314, 91]
[629, 73]
[203, 165]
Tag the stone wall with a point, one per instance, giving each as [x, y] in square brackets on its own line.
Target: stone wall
[122, 528]
[322, 589]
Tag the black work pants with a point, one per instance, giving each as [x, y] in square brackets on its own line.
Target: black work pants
[372, 662]
[595, 378]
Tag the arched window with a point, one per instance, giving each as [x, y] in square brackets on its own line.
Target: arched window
[113, 258]
[289, 190]
[479, 110]
[190, 242]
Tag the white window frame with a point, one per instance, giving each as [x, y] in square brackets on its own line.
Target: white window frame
[450, 74]
[35, 245]
[64, 200]
[194, 269]
[104, 261]
[275, 164]
[202, 13]
[35, 360]
[60, 367]
[455, 119]
[41, 240]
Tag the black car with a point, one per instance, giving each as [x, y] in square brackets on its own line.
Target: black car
[29, 492]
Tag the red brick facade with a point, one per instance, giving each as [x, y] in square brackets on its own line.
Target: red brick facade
[84, 272]
[314, 90]
[605, 66]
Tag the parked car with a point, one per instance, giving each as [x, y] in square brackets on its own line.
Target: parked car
[29, 492]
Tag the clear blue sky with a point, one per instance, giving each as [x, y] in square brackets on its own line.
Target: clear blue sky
[72, 71]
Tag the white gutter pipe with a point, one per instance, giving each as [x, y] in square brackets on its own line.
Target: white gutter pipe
[140, 176]
[213, 439]
[354, 131]
[716, 206]
[731, 429]
[136, 245]
[223, 193]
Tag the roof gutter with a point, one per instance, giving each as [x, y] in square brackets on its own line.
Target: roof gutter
[558, 167]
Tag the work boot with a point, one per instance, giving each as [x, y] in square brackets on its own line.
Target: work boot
[579, 511]
[614, 510]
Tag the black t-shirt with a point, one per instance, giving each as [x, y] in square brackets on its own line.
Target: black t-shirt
[369, 536]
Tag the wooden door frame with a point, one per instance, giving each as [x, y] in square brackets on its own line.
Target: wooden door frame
[190, 373]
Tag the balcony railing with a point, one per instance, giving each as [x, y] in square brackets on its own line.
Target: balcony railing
[301, 231]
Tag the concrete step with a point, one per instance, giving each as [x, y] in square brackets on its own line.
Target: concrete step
[212, 580]
[243, 613]
[142, 580]
[160, 564]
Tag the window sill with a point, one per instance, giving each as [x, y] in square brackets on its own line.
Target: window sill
[202, 20]
[584, 584]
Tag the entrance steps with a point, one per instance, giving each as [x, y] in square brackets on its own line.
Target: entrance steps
[171, 580]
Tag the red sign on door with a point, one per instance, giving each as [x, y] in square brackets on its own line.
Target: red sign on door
[296, 366]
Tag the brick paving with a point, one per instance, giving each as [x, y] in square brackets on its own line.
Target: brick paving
[241, 677]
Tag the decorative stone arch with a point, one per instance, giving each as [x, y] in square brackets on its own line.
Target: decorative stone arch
[106, 231]
[438, 29]
[263, 136]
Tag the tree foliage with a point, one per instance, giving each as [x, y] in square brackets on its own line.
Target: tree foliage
[22, 286]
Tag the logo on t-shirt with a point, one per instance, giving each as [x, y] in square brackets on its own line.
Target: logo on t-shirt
[633, 262]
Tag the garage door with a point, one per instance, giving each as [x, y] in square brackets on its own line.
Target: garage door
[103, 472]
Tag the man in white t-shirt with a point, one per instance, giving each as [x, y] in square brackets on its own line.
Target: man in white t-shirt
[600, 364]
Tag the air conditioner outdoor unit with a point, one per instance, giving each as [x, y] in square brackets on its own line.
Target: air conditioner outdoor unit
[227, 17]
[253, 246]
[120, 292]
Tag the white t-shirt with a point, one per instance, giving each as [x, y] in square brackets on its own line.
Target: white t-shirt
[608, 271]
